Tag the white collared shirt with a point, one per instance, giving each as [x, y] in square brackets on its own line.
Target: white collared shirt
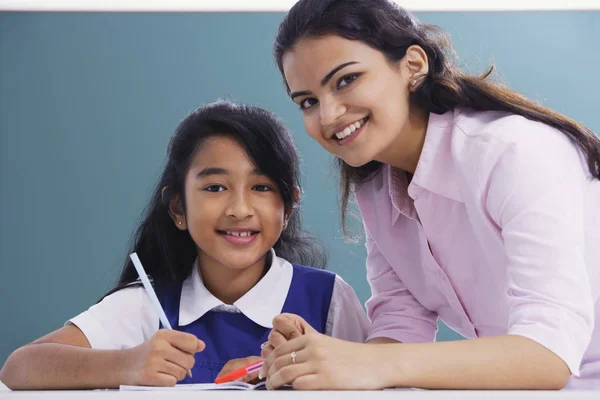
[126, 318]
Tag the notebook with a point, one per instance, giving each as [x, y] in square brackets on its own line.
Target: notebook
[3, 387]
[198, 386]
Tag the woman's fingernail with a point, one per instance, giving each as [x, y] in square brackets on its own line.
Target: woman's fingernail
[261, 374]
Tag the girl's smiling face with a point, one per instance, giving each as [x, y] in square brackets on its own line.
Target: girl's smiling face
[233, 212]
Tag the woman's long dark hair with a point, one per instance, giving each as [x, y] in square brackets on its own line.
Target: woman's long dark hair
[388, 28]
[167, 252]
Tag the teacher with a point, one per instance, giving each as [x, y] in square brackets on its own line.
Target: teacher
[480, 207]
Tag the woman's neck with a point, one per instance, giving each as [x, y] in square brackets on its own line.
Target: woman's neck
[405, 151]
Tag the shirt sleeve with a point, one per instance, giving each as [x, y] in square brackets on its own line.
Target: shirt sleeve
[121, 320]
[346, 319]
[536, 195]
[392, 309]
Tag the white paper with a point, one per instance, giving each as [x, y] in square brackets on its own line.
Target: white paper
[3, 387]
[195, 386]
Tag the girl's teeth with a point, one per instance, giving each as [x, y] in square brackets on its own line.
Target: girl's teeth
[349, 129]
[243, 234]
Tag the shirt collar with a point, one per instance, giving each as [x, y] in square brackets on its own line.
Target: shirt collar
[435, 172]
[436, 169]
[260, 304]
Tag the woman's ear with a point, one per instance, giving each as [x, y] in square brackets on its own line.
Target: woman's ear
[175, 209]
[417, 65]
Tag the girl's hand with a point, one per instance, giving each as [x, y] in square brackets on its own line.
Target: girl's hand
[236, 363]
[163, 360]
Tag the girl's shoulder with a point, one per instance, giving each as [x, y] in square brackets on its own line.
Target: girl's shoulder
[312, 272]
[312, 279]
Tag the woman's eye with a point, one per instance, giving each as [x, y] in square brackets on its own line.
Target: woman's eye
[214, 188]
[307, 103]
[346, 80]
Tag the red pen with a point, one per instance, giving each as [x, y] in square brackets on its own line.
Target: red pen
[240, 373]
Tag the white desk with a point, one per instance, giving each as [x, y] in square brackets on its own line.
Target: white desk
[291, 395]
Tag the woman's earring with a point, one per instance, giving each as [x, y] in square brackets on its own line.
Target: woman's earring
[180, 222]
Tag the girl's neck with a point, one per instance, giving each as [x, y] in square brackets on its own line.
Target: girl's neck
[227, 284]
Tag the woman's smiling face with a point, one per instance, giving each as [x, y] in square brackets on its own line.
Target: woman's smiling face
[355, 103]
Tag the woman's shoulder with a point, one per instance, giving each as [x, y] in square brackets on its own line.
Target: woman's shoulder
[502, 129]
[493, 153]
[483, 140]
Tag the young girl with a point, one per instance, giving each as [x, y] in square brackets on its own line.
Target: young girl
[220, 240]
[479, 206]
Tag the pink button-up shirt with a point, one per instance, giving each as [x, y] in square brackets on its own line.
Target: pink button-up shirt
[497, 233]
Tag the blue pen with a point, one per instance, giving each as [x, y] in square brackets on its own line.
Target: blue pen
[151, 293]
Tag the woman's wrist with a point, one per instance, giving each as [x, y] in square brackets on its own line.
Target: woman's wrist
[390, 367]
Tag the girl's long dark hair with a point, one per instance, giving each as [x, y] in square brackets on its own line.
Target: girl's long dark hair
[167, 252]
[388, 28]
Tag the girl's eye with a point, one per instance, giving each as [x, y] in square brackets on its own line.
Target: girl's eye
[346, 80]
[262, 188]
[307, 103]
[214, 188]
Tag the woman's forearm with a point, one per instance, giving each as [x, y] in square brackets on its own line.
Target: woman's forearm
[502, 362]
[381, 340]
[60, 366]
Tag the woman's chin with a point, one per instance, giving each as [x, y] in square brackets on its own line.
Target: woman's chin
[357, 162]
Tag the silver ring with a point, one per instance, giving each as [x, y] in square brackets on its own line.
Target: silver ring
[293, 357]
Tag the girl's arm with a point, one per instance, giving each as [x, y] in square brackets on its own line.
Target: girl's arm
[115, 342]
[63, 359]
[347, 319]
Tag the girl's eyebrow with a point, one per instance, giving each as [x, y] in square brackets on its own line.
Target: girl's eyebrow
[212, 171]
[222, 171]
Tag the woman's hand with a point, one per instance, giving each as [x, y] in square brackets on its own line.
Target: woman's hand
[308, 360]
[285, 327]
[236, 363]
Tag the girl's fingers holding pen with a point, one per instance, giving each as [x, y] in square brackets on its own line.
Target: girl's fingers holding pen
[173, 369]
[178, 357]
[185, 342]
